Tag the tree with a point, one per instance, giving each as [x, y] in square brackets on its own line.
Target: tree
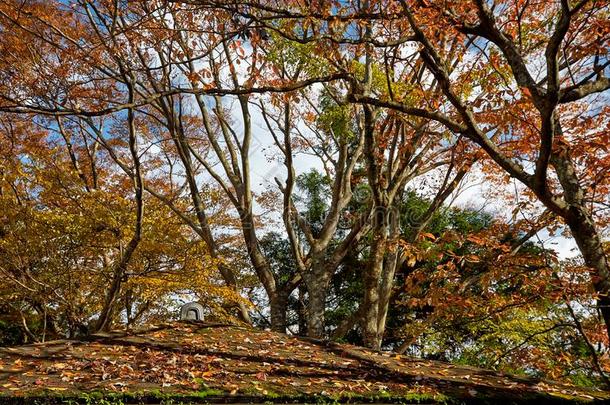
[548, 134]
[64, 231]
[129, 157]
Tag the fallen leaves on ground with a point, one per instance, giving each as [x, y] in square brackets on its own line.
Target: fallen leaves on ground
[194, 357]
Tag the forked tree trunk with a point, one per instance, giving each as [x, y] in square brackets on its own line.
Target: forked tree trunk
[105, 318]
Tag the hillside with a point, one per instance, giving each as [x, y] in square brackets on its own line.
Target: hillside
[203, 362]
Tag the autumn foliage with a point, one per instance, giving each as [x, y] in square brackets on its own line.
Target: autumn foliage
[304, 167]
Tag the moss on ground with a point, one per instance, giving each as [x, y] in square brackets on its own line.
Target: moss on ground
[210, 396]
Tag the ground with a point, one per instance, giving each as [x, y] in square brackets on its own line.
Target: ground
[196, 362]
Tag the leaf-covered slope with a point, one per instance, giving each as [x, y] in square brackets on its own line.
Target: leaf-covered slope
[224, 363]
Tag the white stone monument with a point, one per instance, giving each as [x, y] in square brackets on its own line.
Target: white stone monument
[192, 311]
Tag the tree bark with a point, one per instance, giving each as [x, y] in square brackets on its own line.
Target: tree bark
[371, 301]
[580, 220]
[590, 245]
[302, 310]
[105, 319]
[317, 288]
[385, 288]
[278, 308]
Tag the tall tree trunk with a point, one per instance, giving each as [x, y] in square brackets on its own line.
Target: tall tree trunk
[579, 219]
[105, 319]
[278, 304]
[385, 293]
[589, 242]
[120, 269]
[317, 288]
[302, 310]
[277, 299]
[229, 278]
[371, 290]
